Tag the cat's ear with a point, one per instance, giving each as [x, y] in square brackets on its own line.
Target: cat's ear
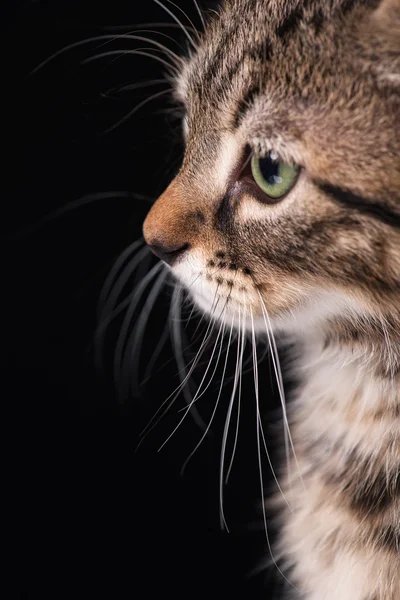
[382, 37]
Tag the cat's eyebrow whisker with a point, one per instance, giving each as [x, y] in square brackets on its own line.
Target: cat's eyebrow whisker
[186, 16]
[216, 403]
[258, 427]
[279, 380]
[135, 86]
[136, 52]
[226, 430]
[133, 27]
[109, 38]
[138, 38]
[196, 396]
[200, 14]
[135, 110]
[182, 26]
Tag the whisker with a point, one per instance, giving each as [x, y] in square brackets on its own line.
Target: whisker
[109, 282]
[96, 38]
[239, 399]
[278, 375]
[136, 52]
[178, 352]
[256, 388]
[135, 110]
[118, 356]
[184, 29]
[136, 338]
[135, 86]
[225, 433]
[138, 38]
[197, 393]
[198, 396]
[200, 14]
[109, 312]
[216, 403]
[156, 354]
[186, 16]
[174, 395]
[122, 280]
[133, 26]
[259, 451]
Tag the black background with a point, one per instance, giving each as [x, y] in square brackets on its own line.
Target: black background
[92, 516]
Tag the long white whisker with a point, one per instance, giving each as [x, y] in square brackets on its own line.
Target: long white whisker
[198, 396]
[226, 430]
[174, 395]
[259, 450]
[239, 399]
[256, 387]
[278, 374]
[198, 391]
[216, 403]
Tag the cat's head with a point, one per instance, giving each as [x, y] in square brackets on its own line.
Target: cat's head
[288, 198]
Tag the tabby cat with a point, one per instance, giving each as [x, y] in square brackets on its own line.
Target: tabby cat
[286, 213]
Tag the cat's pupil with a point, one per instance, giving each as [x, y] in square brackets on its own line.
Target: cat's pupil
[270, 170]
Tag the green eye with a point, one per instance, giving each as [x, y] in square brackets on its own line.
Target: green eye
[274, 177]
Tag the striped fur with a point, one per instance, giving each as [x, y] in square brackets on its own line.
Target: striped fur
[318, 82]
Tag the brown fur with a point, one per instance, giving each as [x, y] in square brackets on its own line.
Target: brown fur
[319, 83]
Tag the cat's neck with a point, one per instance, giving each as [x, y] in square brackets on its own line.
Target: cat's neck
[356, 376]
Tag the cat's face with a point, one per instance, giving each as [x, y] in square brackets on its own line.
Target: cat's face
[289, 194]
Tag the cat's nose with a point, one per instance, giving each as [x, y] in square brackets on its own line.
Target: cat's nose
[168, 254]
[171, 227]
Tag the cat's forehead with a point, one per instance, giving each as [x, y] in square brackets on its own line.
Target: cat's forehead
[260, 46]
[288, 80]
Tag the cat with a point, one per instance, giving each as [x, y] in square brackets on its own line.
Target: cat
[285, 215]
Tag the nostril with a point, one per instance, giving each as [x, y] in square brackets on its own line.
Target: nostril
[168, 254]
